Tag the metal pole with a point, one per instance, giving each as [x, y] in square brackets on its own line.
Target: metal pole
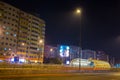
[79, 59]
[113, 61]
[78, 11]
[107, 58]
[80, 52]
[95, 55]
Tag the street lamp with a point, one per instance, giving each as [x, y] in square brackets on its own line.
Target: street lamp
[51, 50]
[40, 41]
[24, 47]
[78, 12]
[40, 45]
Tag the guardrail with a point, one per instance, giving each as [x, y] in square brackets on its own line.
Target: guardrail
[6, 68]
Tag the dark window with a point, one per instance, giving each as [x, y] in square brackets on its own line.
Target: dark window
[6, 43]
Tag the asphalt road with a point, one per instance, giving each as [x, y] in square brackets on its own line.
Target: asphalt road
[64, 76]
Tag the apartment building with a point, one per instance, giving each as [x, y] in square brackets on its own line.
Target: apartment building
[21, 34]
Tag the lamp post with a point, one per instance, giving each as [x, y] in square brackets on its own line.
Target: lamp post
[51, 53]
[78, 13]
[24, 47]
[40, 44]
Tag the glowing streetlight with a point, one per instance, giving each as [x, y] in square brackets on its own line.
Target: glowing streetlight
[40, 41]
[40, 47]
[78, 12]
[51, 50]
[23, 45]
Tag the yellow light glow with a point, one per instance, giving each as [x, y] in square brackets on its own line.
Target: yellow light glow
[51, 49]
[35, 61]
[78, 11]
[40, 41]
[23, 44]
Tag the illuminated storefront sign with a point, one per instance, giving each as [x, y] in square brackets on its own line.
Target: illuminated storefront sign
[64, 51]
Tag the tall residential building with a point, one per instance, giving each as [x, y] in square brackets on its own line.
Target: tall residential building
[21, 34]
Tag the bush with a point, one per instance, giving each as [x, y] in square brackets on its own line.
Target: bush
[52, 61]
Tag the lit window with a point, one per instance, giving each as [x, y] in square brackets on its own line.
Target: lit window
[68, 47]
[38, 49]
[0, 14]
[7, 28]
[7, 32]
[14, 35]
[4, 27]
[5, 48]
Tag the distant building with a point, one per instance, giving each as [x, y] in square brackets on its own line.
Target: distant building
[50, 51]
[63, 52]
[67, 53]
[74, 52]
[101, 55]
[21, 33]
[117, 66]
[88, 54]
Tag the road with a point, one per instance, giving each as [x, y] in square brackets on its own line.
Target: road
[64, 76]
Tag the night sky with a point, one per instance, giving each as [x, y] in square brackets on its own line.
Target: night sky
[100, 22]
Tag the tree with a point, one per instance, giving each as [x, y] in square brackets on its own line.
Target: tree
[52, 61]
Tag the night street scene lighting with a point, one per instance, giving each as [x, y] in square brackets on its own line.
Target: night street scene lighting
[59, 39]
[78, 13]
